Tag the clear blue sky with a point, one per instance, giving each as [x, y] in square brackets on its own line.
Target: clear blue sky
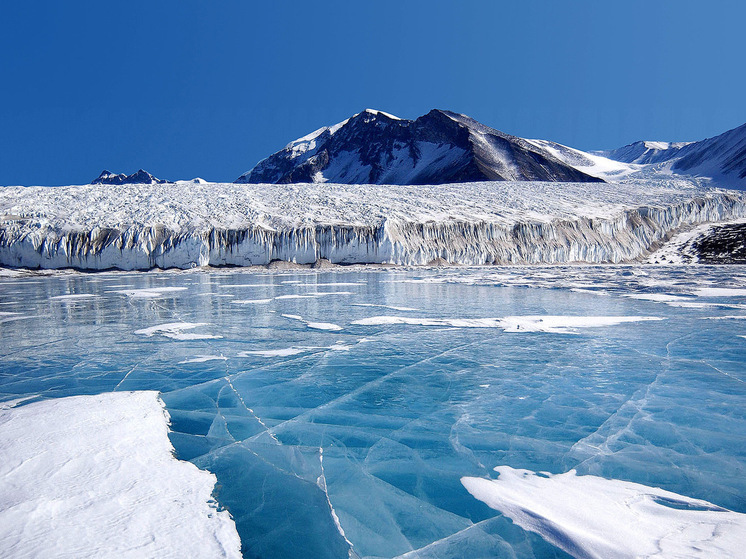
[194, 88]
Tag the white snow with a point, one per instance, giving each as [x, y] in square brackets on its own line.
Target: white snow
[95, 476]
[149, 293]
[284, 352]
[538, 323]
[593, 517]
[392, 307]
[290, 351]
[73, 297]
[203, 359]
[314, 325]
[589, 163]
[183, 226]
[719, 292]
[175, 331]
[657, 297]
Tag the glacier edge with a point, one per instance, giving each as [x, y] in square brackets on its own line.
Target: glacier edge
[627, 233]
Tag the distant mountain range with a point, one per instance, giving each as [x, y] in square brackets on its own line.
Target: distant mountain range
[722, 158]
[373, 147]
[140, 177]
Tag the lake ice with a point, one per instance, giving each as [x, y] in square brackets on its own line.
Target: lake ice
[364, 412]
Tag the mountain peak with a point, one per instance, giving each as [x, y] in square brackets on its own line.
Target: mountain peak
[140, 177]
[376, 112]
[374, 147]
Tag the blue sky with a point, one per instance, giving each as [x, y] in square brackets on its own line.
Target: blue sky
[191, 88]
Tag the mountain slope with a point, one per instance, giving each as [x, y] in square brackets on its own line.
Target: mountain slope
[440, 147]
[644, 152]
[722, 158]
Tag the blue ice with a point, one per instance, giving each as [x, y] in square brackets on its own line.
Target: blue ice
[340, 410]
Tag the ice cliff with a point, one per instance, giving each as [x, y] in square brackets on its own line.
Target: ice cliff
[183, 225]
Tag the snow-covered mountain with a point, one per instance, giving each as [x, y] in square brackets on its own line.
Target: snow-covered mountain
[722, 158]
[373, 147]
[140, 177]
[644, 152]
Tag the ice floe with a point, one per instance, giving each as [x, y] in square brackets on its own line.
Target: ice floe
[290, 351]
[314, 325]
[175, 331]
[203, 359]
[593, 517]
[283, 352]
[392, 307]
[95, 476]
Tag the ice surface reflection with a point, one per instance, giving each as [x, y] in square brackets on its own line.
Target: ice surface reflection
[627, 372]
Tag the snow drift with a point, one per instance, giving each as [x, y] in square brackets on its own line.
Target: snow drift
[95, 476]
[182, 225]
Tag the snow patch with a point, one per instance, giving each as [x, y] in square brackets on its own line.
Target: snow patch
[175, 331]
[593, 517]
[148, 293]
[203, 359]
[719, 292]
[314, 325]
[95, 476]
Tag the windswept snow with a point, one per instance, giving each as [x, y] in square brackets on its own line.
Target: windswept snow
[176, 331]
[95, 476]
[593, 517]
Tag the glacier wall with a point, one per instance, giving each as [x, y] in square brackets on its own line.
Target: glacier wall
[624, 236]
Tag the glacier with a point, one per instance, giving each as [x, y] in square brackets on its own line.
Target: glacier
[186, 224]
[423, 423]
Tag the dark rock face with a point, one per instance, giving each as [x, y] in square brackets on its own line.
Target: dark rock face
[439, 147]
[726, 153]
[725, 244]
[140, 177]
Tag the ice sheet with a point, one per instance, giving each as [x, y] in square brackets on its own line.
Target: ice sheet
[95, 476]
[405, 415]
[543, 323]
[149, 293]
[593, 517]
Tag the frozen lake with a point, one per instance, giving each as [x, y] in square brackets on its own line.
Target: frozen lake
[342, 410]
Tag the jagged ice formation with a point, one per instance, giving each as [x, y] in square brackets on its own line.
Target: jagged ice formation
[182, 225]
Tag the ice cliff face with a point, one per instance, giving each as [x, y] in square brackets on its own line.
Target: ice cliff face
[440, 147]
[135, 227]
